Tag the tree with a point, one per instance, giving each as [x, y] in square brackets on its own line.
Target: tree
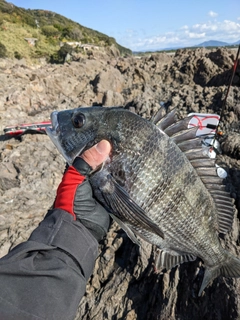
[64, 50]
[50, 31]
[3, 51]
[17, 55]
[60, 55]
[75, 34]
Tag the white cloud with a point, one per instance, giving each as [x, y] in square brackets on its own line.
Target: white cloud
[194, 35]
[205, 26]
[230, 26]
[212, 14]
[218, 29]
[184, 27]
[226, 30]
[157, 42]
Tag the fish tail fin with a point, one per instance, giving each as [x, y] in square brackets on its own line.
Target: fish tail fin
[231, 268]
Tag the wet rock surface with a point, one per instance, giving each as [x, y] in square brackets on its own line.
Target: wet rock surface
[124, 284]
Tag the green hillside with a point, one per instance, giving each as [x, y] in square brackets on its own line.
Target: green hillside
[49, 28]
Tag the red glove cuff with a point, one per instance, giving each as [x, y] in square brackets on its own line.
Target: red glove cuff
[67, 189]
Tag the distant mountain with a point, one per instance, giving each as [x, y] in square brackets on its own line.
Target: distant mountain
[237, 42]
[212, 43]
[156, 50]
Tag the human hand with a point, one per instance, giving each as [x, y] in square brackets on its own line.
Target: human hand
[97, 154]
[74, 193]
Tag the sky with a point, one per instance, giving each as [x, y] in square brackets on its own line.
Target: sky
[142, 25]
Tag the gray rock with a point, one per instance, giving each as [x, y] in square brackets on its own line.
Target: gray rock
[111, 98]
[124, 284]
[8, 178]
[109, 79]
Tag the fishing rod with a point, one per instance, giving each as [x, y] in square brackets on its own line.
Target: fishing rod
[20, 129]
[228, 89]
[218, 132]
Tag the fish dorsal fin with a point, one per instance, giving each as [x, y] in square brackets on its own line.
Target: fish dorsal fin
[225, 209]
[185, 138]
[187, 145]
[197, 154]
[177, 126]
[167, 120]
[161, 113]
[184, 135]
[168, 260]
[207, 171]
[203, 162]
[217, 187]
[221, 198]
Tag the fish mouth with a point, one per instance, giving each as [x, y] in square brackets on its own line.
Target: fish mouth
[54, 135]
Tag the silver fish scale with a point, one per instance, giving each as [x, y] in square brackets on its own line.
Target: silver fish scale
[175, 198]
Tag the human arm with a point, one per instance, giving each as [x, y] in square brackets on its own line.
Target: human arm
[45, 277]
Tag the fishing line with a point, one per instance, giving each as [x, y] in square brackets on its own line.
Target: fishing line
[229, 86]
[218, 132]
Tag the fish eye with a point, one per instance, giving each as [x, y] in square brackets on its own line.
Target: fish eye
[78, 120]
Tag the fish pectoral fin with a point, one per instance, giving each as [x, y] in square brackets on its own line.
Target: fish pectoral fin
[128, 230]
[124, 208]
[168, 260]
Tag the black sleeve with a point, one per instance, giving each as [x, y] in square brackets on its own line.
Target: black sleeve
[45, 277]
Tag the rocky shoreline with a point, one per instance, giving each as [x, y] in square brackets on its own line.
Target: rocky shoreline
[124, 285]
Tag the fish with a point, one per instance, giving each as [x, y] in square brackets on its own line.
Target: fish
[158, 184]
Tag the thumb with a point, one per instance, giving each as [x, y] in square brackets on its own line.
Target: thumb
[97, 154]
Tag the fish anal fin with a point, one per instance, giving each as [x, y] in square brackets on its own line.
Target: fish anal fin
[169, 259]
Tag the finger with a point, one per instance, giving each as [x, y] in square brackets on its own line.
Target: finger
[97, 154]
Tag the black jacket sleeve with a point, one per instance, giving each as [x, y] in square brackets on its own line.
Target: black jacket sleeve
[45, 277]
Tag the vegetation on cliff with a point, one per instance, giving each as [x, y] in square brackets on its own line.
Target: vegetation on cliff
[48, 29]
